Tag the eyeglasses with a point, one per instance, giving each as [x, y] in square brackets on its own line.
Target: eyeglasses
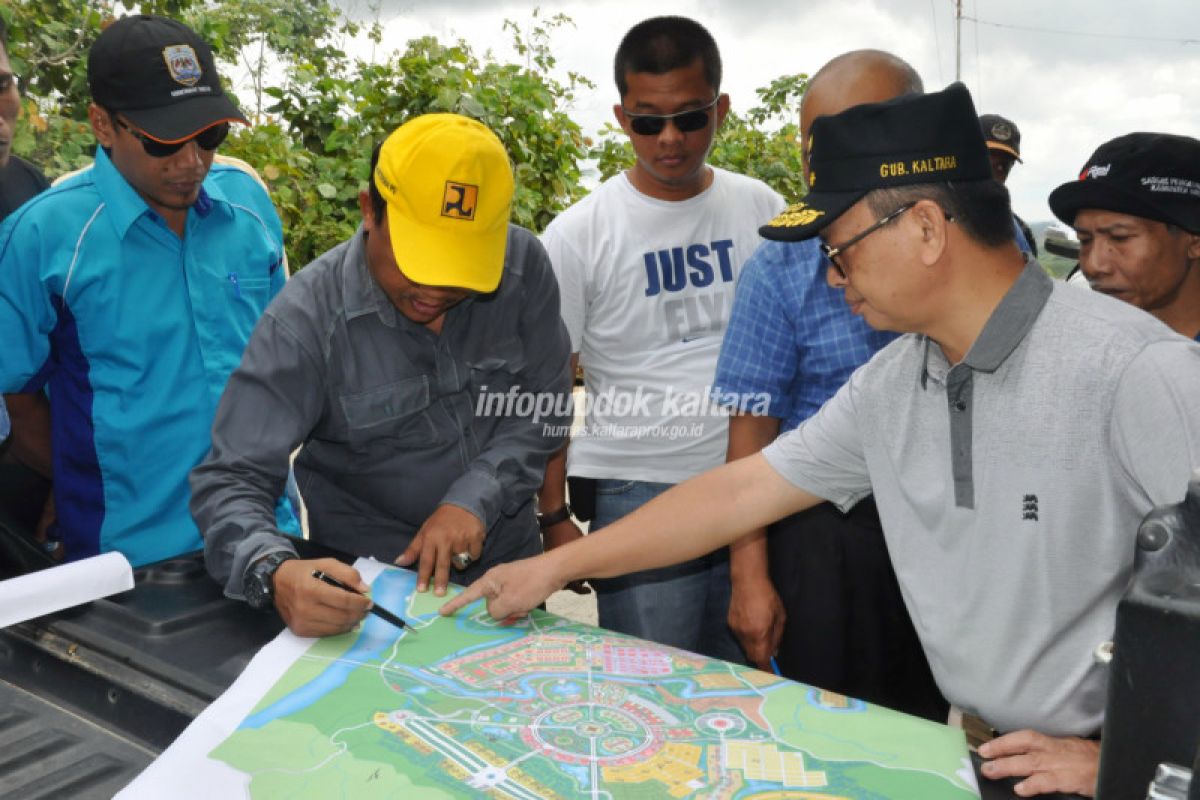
[832, 253]
[207, 139]
[685, 121]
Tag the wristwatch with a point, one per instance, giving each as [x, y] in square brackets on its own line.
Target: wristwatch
[554, 517]
[260, 581]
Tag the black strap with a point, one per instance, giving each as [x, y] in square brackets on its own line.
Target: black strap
[554, 517]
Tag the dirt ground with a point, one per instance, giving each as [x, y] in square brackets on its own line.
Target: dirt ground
[578, 607]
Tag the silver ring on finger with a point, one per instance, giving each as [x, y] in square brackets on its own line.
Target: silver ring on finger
[462, 560]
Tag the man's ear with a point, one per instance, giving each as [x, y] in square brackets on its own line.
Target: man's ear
[622, 120]
[722, 108]
[1193, 249]
[366, 210]
[102, 125]
[934, 230]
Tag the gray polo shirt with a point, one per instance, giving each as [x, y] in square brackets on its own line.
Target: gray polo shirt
[386, 413]
[1011, 485]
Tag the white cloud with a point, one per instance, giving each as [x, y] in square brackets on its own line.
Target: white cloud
[1067, 93]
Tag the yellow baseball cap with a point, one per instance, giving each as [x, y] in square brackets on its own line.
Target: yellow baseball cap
[448, 186]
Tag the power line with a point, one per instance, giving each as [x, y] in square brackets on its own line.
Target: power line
[978, 21]
[978, 69]
[936, 41]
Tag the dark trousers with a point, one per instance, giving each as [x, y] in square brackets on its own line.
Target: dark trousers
[22, 496]
[848, 629]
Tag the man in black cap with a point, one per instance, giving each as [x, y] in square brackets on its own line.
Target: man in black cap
[1003, 140]
[1013, 440]
[130, 289]
[1136, 210]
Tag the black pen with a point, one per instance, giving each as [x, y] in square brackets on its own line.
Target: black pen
[382, 613]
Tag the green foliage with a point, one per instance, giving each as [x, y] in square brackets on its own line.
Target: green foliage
[1056, 266]
[316, 195]
[49, 41]
[251, 33]
[340, 111]
[58, 144]
[762, 143]
[320, 111]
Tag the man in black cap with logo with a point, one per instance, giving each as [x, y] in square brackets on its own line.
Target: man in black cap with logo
[1013, 439]
[130, 289]
[1003, 140]
[1136, 210]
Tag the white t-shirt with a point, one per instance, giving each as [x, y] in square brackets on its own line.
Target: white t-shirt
[647, 288]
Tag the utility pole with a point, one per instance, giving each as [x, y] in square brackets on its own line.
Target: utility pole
[957, 40]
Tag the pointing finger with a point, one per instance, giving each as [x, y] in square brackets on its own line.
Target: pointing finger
[466, 597]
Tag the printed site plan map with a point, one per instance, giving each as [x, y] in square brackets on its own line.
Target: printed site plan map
[548, 708]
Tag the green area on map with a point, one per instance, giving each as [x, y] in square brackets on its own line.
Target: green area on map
[549, 708]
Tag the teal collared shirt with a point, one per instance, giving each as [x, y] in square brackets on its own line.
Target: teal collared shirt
[134, 331]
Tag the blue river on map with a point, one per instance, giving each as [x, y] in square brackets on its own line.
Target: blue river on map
[390, 590]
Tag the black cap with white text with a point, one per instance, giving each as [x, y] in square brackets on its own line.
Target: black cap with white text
[1150, 175]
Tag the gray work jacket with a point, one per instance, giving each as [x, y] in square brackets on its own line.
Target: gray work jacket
[386, 414]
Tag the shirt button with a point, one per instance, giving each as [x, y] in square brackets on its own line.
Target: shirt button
[960, 406]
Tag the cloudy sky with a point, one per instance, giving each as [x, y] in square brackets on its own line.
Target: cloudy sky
[1070, 73]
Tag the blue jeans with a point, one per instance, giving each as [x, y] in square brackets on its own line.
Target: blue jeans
[684, 606]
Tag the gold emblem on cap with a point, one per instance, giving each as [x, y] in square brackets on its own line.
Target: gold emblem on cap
[796, 216]
[459, 200]
[183, 64]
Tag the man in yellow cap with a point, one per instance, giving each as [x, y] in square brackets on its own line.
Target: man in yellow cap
[383, 361]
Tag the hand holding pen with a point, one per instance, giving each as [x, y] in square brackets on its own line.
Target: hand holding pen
[312, 607]
[375, 609]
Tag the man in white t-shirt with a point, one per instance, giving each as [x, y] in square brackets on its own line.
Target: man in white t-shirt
[646, 265]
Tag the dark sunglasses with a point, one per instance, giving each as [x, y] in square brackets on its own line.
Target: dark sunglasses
[684, 121]
[207, 139]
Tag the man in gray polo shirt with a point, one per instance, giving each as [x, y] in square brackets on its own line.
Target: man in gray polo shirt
[1014, 438]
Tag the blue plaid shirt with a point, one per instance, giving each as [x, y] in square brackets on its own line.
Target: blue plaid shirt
[790, 335]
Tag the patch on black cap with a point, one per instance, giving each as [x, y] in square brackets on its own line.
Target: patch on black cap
[909, 140]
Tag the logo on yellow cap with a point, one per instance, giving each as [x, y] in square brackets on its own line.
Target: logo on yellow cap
[459, 200]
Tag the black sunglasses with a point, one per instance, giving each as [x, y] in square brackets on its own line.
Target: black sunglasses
[684, 121]
[207, 139]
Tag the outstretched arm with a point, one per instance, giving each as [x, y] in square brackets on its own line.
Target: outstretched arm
[696, 517]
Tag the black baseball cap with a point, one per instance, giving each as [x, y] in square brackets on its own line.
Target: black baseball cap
[1151, 175]
[161, 76]
[1001, 134]
[915, 139]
